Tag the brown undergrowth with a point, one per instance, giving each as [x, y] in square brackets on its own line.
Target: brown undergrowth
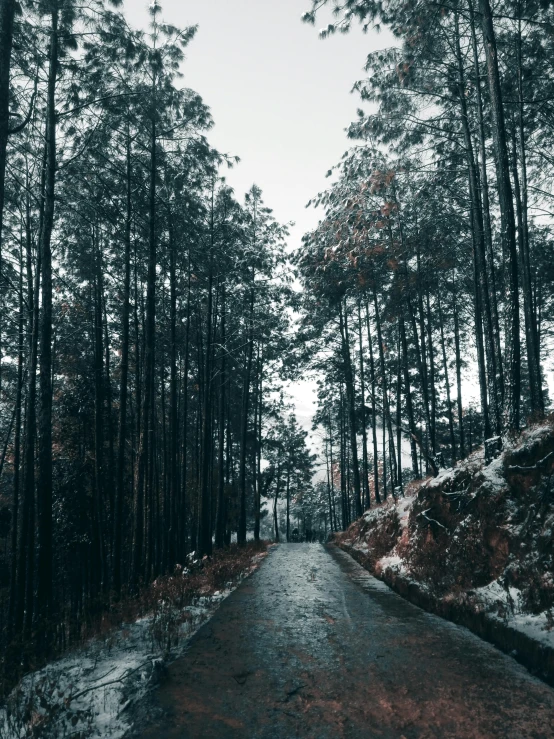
[166, 599]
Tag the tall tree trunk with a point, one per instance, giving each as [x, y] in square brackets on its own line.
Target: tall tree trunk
[288, 498]
[459, 381]
[365, 480]
[205, 508]
[110, 464]
[333, 506]
[535, 390]
[532, 333]
[258, 448]
[447, 383]
[123, 382]
[373, 381]
[241, 533]
[387, 418]
[17, 452]
[424, 370]
[480, 345]
[45, 604]
[349, 382]
[507, 220]
[409, 404]
[220, 510]
[432, 392]
[343, 464]
[98, 537]
[174, 491]
[7, 13]
[143, 473]
[183, 519]
[485, 201]
[478, 230]
[26, 552]
[399, 410]
[275, 501]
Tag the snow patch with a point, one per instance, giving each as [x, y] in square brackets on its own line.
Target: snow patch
[87, 692]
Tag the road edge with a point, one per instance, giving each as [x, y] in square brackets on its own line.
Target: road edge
[147, 712]
[537, 657]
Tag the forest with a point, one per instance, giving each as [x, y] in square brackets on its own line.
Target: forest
[151, 320]
[431, 272]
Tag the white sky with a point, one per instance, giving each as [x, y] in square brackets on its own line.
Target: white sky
[280, 97]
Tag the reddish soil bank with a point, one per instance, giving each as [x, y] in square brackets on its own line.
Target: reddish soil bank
[476, 545]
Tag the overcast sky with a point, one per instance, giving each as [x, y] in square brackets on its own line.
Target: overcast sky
[280, 97]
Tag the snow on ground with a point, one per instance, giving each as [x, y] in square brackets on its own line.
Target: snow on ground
[87, 692]
[539, 627]
[393, 561]
[506, 604]
[467, 480]
[403, 508]
[493, 595]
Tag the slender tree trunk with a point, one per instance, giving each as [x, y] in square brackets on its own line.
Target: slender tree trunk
[334, 509]
[143, 473]
[349, 382]
[257, 447]
[275, 501]
[26, 556]
[399, 411]
[480, 345]
[241, 533]
[507, 219]
[220, 511]
[432, 393]
[384, 441]
[409, 404]
[99, 560]
[110, 463]
[183, 518]
[204, 514]
[17, 452]
[535, 389]
[487, 228]
[373, 381]
[447, 383]
[387, 419]
[343, 463]
[123, 383]
[7, 13]
[424, 370]
[45, 521]
[365, 473]
[533, 343]
[459, 381]
[288, 499]
[478, 229]
[174, 492]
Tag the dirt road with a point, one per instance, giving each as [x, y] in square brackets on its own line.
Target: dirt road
[312, 646]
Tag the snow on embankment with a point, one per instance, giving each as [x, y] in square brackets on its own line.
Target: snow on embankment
[88, 693]
[475, 545]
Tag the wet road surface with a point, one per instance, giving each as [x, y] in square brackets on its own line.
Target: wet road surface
[312, 646]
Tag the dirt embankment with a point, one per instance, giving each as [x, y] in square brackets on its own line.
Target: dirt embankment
[475, 545]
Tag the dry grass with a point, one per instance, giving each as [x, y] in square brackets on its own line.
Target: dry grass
[165, 598]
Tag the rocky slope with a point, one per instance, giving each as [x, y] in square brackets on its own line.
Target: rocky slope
[475, 545]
